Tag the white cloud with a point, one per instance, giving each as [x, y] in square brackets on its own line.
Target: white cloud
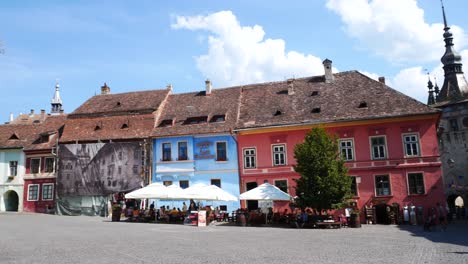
[241, 54]
[395, 30]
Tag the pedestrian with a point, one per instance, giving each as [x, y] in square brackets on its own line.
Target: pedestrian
[442, 217]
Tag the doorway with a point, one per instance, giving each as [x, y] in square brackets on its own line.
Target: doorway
[251, 204]
[381, 214]
[11, 201]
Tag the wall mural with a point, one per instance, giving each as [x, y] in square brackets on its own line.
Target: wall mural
[89, 173]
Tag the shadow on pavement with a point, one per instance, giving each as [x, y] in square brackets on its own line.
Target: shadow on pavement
[456, 233]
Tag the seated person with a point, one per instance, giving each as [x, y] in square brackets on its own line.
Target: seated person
[174, 215]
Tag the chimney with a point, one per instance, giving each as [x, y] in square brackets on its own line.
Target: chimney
[290, 86]
[11, 117]
[105, 89]
[32, 112]
[169, 87]
[327, 65]
[382, 79]
[208, 86]
[43, 113]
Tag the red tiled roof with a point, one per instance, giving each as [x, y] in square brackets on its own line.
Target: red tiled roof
[352, 96]
[181, 109]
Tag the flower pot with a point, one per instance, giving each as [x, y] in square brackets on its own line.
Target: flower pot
[354, 221]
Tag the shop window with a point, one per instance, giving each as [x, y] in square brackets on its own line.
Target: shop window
[167, 183]
[416, 183]
[282, 185]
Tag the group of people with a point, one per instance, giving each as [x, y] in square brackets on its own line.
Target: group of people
[436, 216]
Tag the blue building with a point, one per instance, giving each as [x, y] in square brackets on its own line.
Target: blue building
[193, 143]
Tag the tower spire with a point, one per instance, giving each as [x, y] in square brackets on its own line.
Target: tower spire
[455, 86]
[56, 100]
[430, 98]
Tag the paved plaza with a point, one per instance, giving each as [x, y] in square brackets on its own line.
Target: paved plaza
[39, 238]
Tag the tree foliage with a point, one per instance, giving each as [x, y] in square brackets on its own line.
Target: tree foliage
[324, 183]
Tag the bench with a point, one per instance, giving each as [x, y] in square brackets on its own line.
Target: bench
[335, 224]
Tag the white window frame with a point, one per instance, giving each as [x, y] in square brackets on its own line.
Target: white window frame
[162, 151]
[273, 153]
[178, 149]
[418, 145]
[287, 183]
[347, 148]
[423, 179]
[31, 166]
[47, 184]
[29, 191]
[216, 149]
[45, 164]
[250, 156]
[389, 185]
[384, 148]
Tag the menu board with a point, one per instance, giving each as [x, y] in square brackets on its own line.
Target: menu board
[201, 218]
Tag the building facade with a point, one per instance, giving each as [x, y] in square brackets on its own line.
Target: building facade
[193, 141]
[389, 141]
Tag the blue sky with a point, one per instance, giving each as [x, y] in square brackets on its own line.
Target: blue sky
[144, 45]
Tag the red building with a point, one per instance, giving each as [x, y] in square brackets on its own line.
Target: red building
[388, 139]
[40, 165]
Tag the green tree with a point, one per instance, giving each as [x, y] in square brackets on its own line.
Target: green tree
[324, 183]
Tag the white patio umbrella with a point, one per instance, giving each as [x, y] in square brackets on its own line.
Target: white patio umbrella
[152, 191]
[265, 192]
[174, 192]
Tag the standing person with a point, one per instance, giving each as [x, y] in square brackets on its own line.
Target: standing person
[442, 216]
[184, 207]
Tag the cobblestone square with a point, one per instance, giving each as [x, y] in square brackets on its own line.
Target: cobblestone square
[40, 238]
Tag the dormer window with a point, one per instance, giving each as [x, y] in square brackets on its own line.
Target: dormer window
[13, 137]
[218, 118]
[315, 110]
[196, 120]
[44, 138]
[97, 128]
[165, 123]
[282, 92]
[277, 113]
[362, 104]
[124, 126]
[118, 104]
[314, 93]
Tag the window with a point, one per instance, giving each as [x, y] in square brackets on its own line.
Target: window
[165, 123]
[195, 120]
[221, 154]
[416, 183]
[167, 183]
[216, 182]
[33, 192]
[411, 145]
[182, 147]
[453, 124]
[48, 191]
[354, 186]
[218, 118]
[184, 184]
[120, 155]
[382, 185]
[49, 165]
[13, 168]
[35, 165]
[110, 170]
[279, 155]
[119, 170]
[166, 151]
[282, 185]
[346, 149]
[249, 158]
[378, 147]
[135, 169]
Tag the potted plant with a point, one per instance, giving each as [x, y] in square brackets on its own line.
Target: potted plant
[354, 220]
[116, 212]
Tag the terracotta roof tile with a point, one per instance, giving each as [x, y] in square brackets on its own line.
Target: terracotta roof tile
[186, 107]
[352, 96]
